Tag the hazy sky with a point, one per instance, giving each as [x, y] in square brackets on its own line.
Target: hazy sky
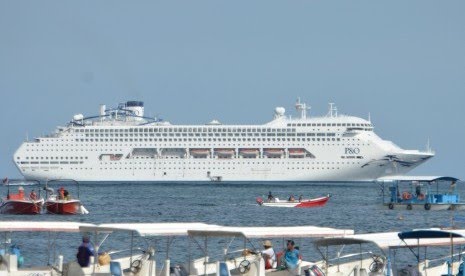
[194, 61]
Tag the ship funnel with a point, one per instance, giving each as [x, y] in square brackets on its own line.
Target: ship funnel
[137, 109]
[102, 110]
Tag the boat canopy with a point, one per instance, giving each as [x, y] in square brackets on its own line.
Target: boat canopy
[393, 239]
[272, 232]
[340, 241]
[428, 234]
[42, 226]
[416, 178]
[150, 229]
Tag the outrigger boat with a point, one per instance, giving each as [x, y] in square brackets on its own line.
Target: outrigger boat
[419, 192]
[62, 203]
[302, 203]
[20, 204]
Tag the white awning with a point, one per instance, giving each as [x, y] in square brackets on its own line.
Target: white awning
[392, 240]
[41, 226]
[151, 229]
[274, 232]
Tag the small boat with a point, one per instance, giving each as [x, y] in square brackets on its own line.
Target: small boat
[249, 153]
[21, 206]
[19, 203]
[297, 153]
[62, 203]
[225, 153]
[273, 153]
[419, 192]
[54, 205]
[304, 203]
[200, 153]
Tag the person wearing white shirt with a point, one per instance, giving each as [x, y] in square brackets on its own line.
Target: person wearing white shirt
[269, 255]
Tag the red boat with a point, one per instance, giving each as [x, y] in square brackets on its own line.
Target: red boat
[303, 203]
[62, 203]
[21, 206]
[53, 205]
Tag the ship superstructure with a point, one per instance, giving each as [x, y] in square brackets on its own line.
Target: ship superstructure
[122, 145]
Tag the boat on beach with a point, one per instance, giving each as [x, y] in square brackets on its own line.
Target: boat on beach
[302, 203]
[239, 250]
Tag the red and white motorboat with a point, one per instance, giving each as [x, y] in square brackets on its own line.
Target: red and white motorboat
[21, 206]
[62, 203]
[54, 205]
[19, 203]
[304, 203]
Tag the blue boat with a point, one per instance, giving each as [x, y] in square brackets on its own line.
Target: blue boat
[421, 192]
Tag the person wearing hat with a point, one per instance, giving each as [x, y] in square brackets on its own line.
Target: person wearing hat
[85, 250]
[268, 255]
[21, 192]
[291, 256]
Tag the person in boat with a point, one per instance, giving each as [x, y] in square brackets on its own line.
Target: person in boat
[270, 196]
[61, 193]
[418, 190]
[452, 187]
[33, 195]
[301, 197]
[85, 251]
[291, 198]
[291, 256]
[269, 255]
[66, 195]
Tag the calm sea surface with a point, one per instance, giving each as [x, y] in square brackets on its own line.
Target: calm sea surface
[352, 206]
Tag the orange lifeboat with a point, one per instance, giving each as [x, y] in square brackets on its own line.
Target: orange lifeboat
[200, 153]
[297, 153]
[249, 153]
[273, 153]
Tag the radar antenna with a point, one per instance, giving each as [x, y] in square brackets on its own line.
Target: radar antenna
[302, 108]
[332, 110]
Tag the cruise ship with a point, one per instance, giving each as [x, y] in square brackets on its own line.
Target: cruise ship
[122, 145]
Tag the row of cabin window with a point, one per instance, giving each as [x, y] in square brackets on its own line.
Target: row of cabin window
[55, 157]
[208, 134]
[206, 140]
[328, 125]
[187, 130]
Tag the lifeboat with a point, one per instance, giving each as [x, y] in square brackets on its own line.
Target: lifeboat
[225, 153]
[200, 153]
[297, 153]
[249, 153]
[273, 153]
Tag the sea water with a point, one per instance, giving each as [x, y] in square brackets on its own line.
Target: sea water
[356, 206]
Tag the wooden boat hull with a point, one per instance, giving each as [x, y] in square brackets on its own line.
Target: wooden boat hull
[307, 203]
[63, 207]
[21, 207]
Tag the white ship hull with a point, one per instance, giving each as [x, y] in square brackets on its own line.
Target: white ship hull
[344, 150]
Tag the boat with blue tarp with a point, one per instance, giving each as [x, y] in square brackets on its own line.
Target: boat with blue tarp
[421, 192]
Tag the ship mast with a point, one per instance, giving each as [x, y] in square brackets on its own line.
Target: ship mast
[302, 108]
